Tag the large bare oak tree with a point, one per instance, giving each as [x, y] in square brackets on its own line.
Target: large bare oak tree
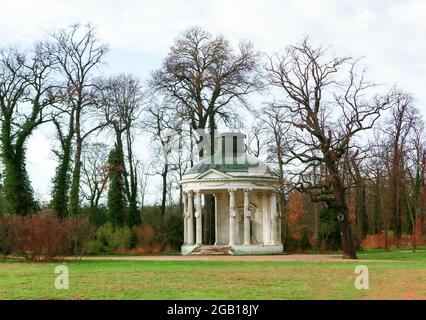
[328, 109]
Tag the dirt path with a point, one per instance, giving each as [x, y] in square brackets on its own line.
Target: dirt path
[277, 258]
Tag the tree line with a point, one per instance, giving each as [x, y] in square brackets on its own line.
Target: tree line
[347, 145]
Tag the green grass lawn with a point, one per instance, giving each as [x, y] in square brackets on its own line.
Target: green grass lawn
[402, 278]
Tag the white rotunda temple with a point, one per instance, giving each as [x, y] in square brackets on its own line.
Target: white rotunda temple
[246, 215]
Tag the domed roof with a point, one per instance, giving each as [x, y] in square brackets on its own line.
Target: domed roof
[230, 158]
[244, 163]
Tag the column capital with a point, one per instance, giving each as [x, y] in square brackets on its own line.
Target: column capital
[247, 189]
[189, 193]
[232, 190]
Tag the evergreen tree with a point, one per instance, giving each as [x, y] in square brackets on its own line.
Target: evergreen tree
[116, 194]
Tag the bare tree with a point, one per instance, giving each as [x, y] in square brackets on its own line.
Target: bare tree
[121, 100]
[179, 160]
[274, 123]
[205, 78]
[379, 164]
[255, 138]
[94, 172]
[398, 129]
[78, 53]
[354, 164]
[326, 112]
[415, 180]
[161, 126]
[143, 169]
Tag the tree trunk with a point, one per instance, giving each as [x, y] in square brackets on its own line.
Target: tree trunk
[395, 194]
[134, 217]
[342, 211]
[164, 191]
[191, 148]
[385, 223]
[414, 242]
[375, 228]
[61, 180]
[75, 185]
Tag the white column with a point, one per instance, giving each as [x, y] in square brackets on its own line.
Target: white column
[190, 219]
[185, 218]
[232, 217]
[266, 219]
[215, 218]
[247, 215]
[280, 213]
[274, 218]
[198, 222]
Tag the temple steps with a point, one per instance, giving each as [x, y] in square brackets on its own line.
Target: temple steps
[211, 250]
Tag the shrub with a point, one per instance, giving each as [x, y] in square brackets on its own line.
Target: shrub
[38, 237]
[79, 232]
[121, 240]
[4, 242]
[44, 237]
[144, 239]
[94, 247]
[104, 235]
[172, 229]
[112, 239]
[304, 242]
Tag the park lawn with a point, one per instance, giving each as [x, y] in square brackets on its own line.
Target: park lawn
[402, 278]
[401, 254]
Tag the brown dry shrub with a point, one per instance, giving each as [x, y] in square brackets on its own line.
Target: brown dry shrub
[145, 239]
[79, 232]
[44, 237]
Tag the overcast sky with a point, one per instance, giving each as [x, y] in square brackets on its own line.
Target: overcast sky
[391, 35]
